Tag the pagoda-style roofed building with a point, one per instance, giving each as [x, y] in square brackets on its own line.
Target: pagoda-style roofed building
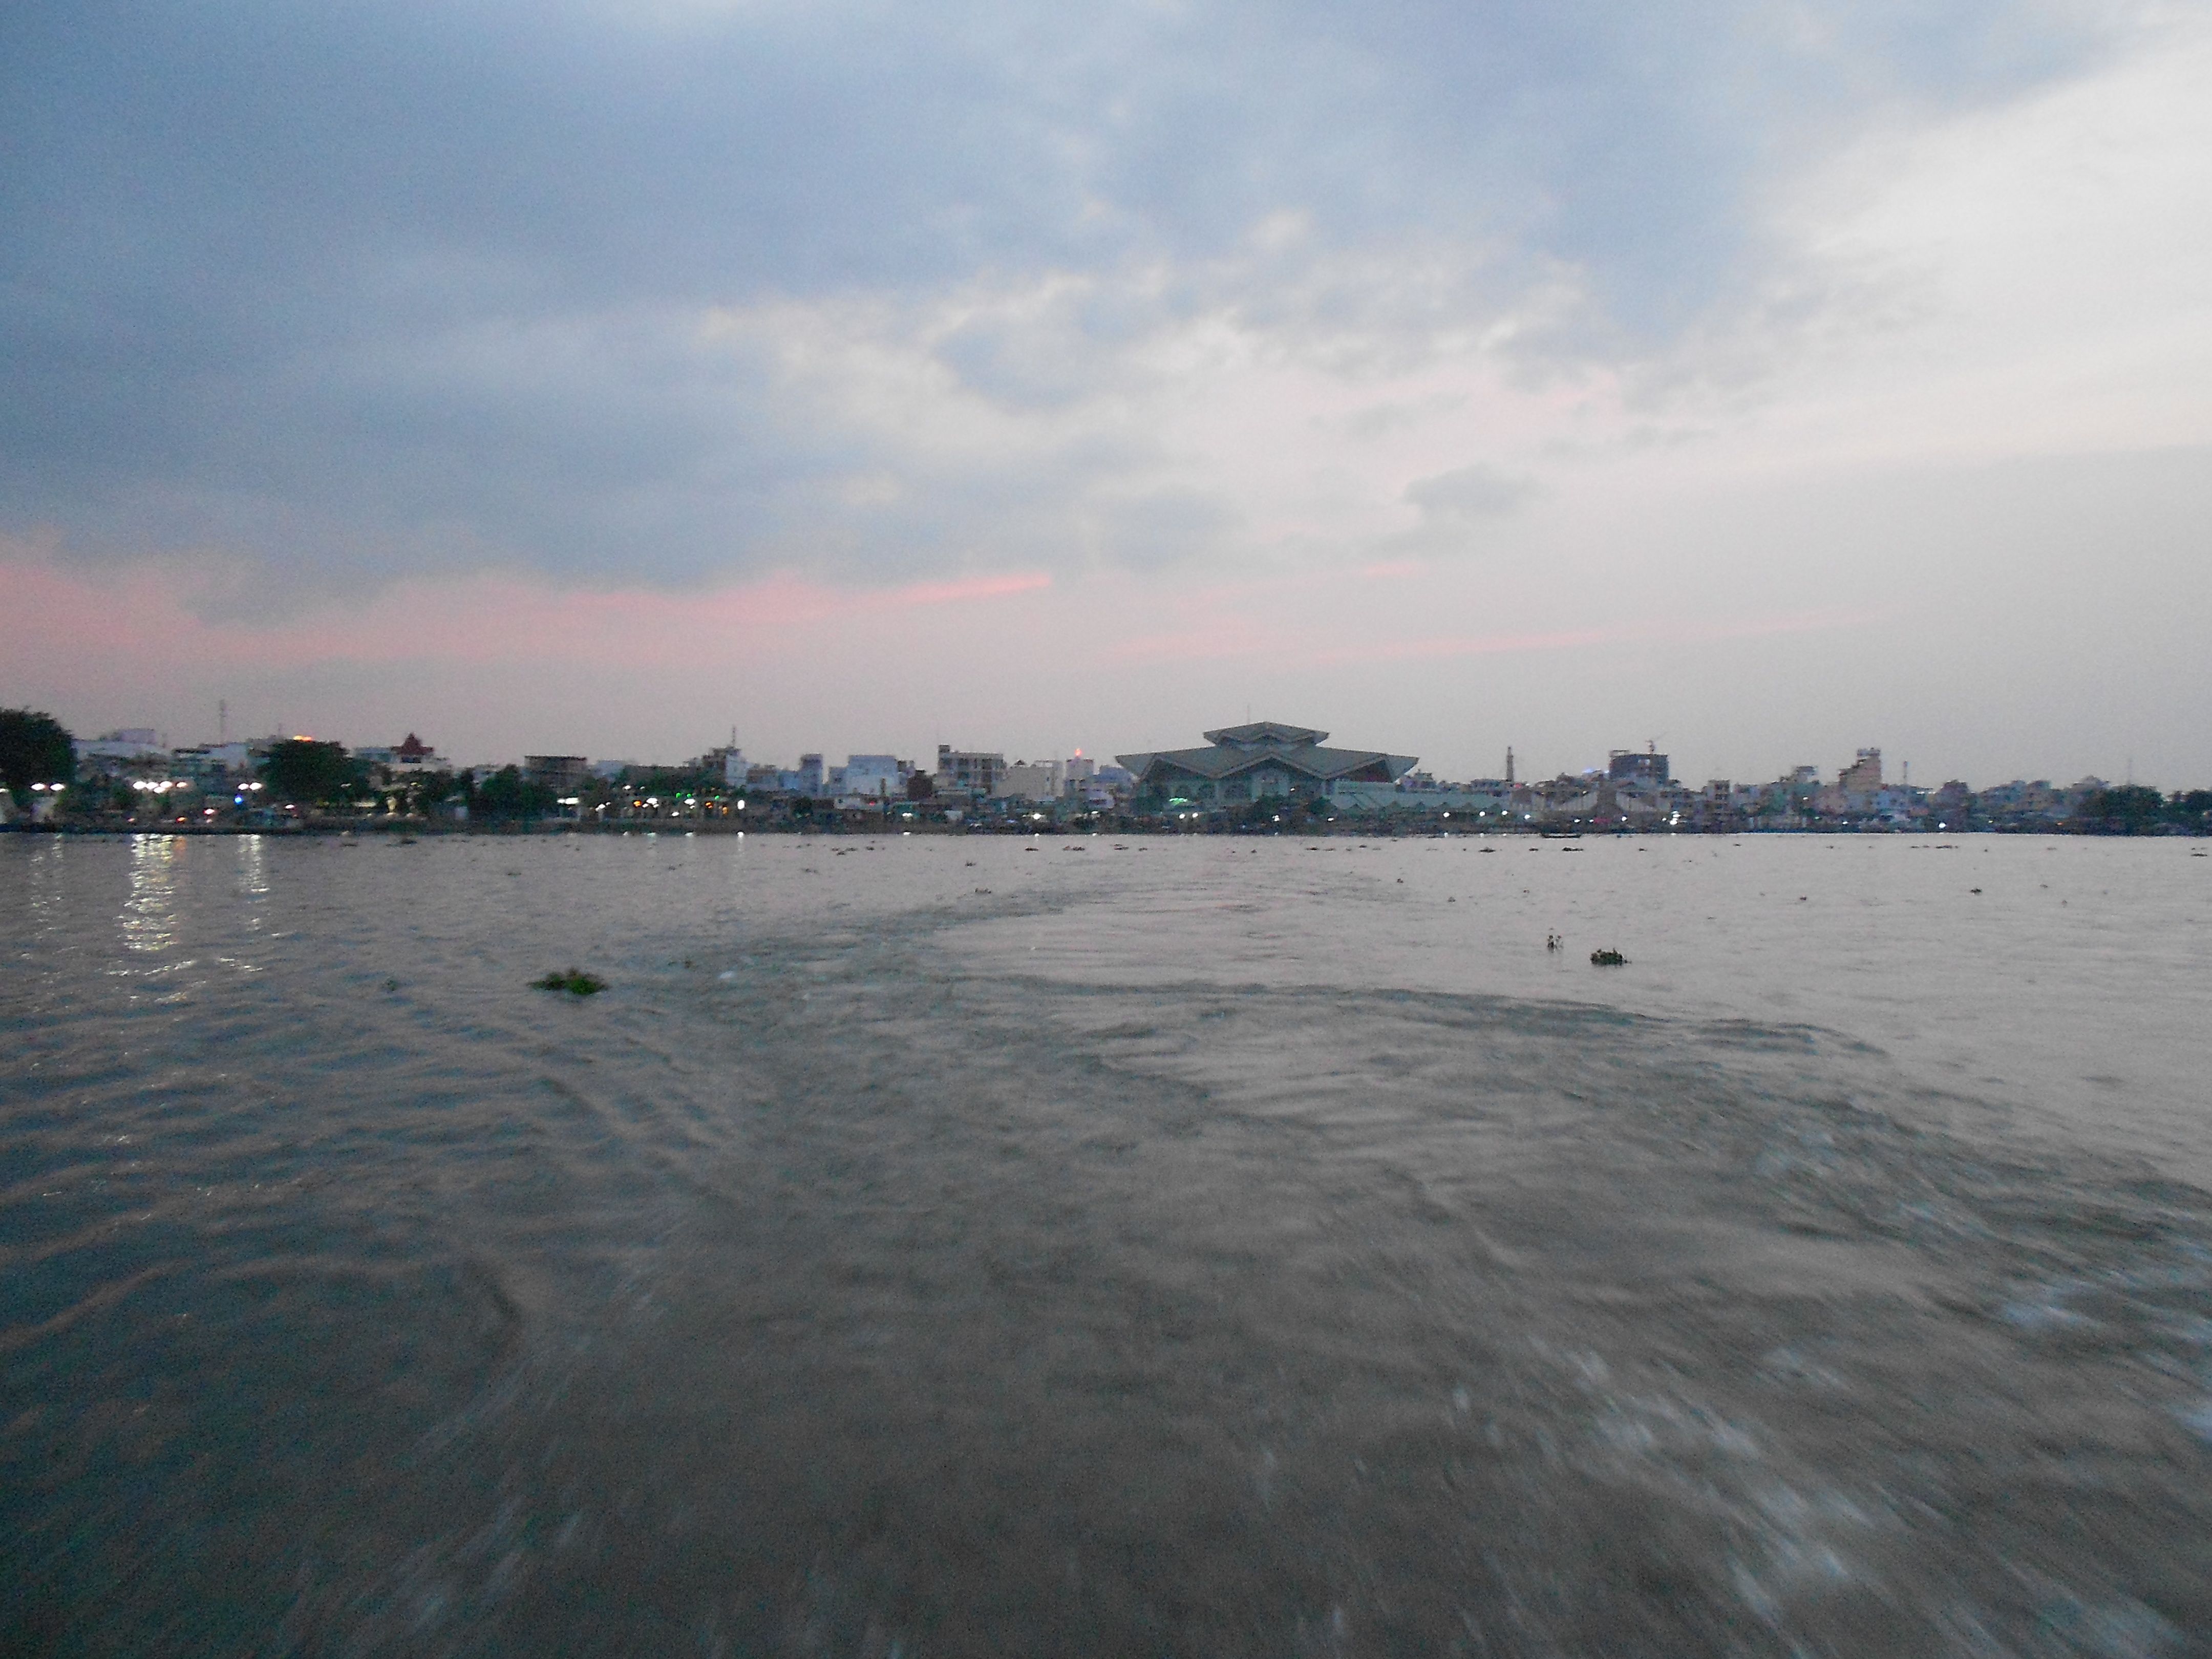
[1250, 762]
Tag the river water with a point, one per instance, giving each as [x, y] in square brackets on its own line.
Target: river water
[943, 1246]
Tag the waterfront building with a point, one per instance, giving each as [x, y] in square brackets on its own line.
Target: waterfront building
[1031, 780]
[870, 780]
[1092, 786]
[1951, 803]
[562, 774]
[970, 772]
[877, 776]
[1245, 763]
[1854, 792]
[412, 756]
[1649, 766]
[1479, 802]
[1900, 806]
[2019, 804]
[727, 762]
[112, 751]
[213, 764]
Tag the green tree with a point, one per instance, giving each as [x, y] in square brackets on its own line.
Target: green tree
[420, 793]
[34, 748]
[507, 794]
[303, 769]
[2132, 809]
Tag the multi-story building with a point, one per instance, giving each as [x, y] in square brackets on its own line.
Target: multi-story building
[1649, 766]
[1862, 776]
[879, 774]
[729, 762]
[1104, 787]
[870, 777]
[970, 772]
[1031, 780]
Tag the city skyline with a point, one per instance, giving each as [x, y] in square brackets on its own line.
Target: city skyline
[236, 725]
[146, 744]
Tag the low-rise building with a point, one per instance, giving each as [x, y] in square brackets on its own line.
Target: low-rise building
[728, 762]
[562, 774]
[1245, 763]
[409, 757]
[1481, 802]
[1950, 804]
[113, 753]
[214, 765]
[2021, 803]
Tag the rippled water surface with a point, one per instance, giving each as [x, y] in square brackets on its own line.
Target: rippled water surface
[938, 1246]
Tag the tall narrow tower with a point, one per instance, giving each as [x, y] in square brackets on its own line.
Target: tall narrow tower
[1509, 764]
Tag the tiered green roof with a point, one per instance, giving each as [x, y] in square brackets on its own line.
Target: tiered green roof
[1235, 750]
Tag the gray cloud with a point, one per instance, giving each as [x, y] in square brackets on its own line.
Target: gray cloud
[365, 290]
[1469, 492]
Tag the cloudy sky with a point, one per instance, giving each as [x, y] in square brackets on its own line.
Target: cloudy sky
[1766, 379]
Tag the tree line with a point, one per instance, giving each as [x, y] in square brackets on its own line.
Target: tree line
[36, 749]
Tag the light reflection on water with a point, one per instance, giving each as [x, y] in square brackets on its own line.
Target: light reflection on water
[252, 866]
[1224, 1248]
[46, 896]
[149, 918]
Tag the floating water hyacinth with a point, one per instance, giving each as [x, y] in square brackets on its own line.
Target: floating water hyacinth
[1607, 959]
[574, 982]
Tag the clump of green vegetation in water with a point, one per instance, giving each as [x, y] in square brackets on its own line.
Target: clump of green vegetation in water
[1607, 959]
[574, 982]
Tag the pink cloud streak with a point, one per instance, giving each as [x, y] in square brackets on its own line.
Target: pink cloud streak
[152, 614]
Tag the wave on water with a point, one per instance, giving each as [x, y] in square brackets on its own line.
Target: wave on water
[888, 1288]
